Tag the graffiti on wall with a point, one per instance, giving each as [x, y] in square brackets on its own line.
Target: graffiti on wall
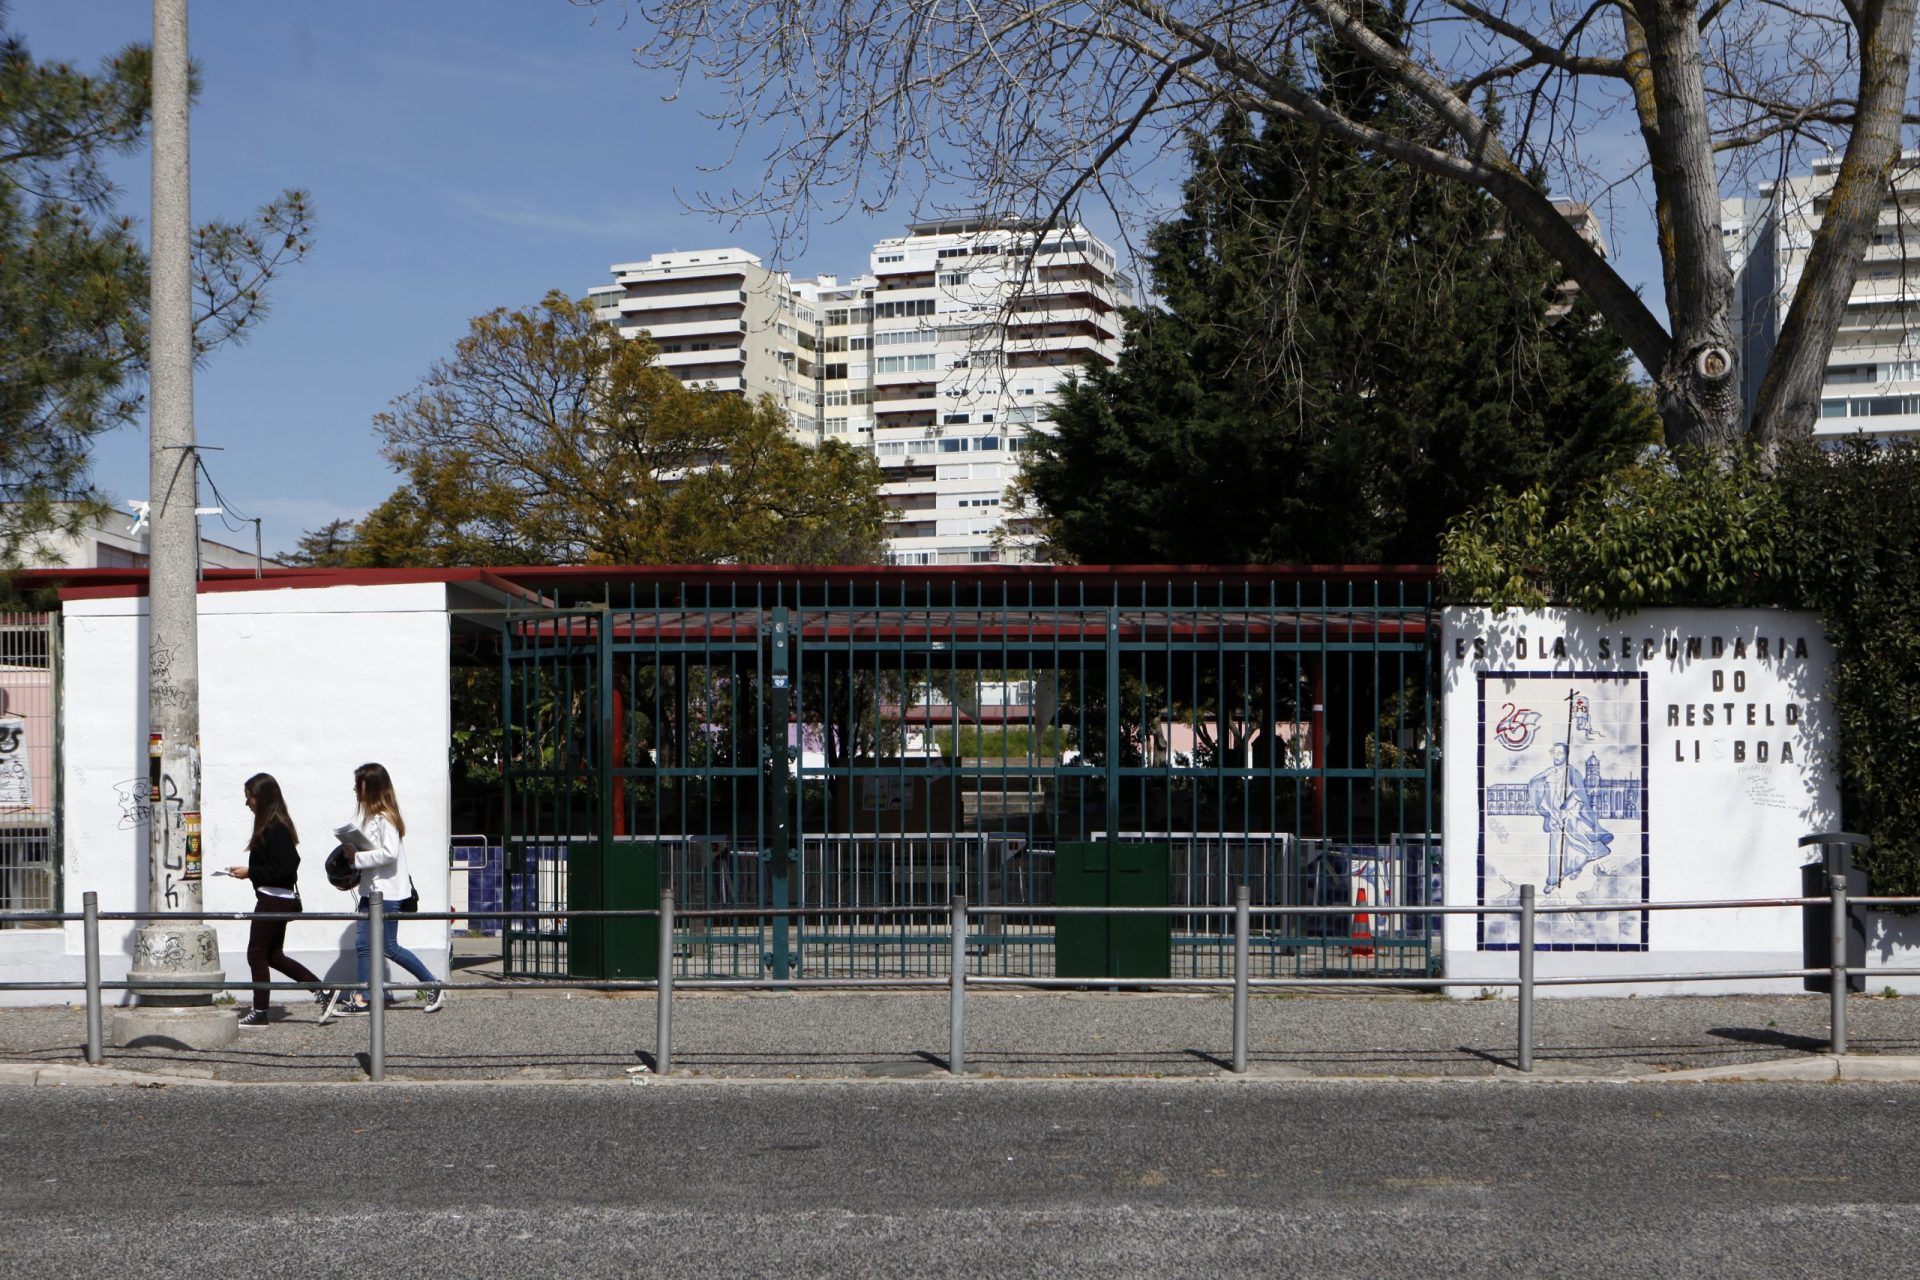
[16, 780]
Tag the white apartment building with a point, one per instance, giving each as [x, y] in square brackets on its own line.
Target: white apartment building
[1873, 372]
[722, 321]
[942, 359]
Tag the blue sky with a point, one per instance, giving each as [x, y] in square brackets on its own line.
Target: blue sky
[461, 155]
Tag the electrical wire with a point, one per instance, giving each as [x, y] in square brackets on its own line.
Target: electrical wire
[219, 498]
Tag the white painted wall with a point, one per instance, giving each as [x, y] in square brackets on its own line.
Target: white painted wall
[1720, 821]
[303, 684]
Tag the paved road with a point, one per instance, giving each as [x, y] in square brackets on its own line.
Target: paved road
[962, 1179]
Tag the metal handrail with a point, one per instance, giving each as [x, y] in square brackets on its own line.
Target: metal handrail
[960, 915]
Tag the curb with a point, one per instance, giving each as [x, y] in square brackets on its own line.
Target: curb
[1821, 1069]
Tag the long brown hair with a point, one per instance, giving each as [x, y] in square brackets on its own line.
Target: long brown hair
[269, 807]
[374, 790]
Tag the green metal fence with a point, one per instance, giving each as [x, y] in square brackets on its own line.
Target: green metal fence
[859, 739]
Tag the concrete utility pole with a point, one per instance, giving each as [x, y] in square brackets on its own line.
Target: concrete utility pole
[186, 950]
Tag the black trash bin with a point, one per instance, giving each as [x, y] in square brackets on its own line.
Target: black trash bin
[1816, 921]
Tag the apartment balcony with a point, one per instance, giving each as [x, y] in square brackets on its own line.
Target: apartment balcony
[721, 357]
[712, 381]
[1888, 313]
[1886, 425]
[717, 293]
[730, 331]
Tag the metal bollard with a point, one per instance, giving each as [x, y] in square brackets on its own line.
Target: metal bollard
[957, 1034]
[376, 988]
[1240, 932]
[663, 995]
[90, 930]
[1837, 998]
[1526, 977]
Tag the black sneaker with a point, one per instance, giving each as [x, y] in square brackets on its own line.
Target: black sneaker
[254, 1018]
[436, 1000]
[321, 997]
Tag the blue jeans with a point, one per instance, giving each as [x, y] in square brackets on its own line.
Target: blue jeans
[389, 926]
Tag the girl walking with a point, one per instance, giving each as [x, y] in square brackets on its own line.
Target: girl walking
[273, 866]
[383, 868]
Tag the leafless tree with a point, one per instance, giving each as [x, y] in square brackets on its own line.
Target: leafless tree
[1038, 107]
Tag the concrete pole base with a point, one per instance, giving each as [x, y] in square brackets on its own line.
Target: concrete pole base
[183, 951]
[147, 1027]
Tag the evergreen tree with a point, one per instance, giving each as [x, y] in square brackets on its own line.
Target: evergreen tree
[1346, 355]
[328, 547]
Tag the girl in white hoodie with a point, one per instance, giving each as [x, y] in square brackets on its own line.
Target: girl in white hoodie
[384, 868]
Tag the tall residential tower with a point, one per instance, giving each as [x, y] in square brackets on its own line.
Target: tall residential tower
[942, 359]
[1873, 372]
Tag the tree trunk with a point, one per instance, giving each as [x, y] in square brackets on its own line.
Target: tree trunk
[1697, 385]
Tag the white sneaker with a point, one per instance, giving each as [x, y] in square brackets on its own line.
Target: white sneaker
[436, 1000]
[332, 1006]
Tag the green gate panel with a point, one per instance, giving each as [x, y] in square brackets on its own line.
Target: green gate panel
[1080, 880]
[623, 876]
[1109, 874]
[1140, 946]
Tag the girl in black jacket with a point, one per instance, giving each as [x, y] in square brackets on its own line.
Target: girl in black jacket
[273, 864]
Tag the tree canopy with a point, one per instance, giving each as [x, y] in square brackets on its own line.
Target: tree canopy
[73, 279]
[1346, 357]
[546, 439]
[1035, 107]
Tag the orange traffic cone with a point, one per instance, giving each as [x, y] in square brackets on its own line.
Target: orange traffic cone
[1362, 929]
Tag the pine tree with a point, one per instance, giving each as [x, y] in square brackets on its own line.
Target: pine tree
[1345, 356]
[73, 280]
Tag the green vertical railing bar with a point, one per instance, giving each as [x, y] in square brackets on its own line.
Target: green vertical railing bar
[779, 773]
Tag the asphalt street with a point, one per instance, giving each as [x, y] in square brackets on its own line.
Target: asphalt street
[935, 1177]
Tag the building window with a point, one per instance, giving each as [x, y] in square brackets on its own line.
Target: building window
[836, 426]
[956, 419]
[955, 444]
[953, 277]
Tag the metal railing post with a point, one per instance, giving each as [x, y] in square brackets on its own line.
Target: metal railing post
[1837, 998]
[90, 931]
[663, 998]
[1240, 931]
[957, 1033]
[1526, 977]
[376, 987]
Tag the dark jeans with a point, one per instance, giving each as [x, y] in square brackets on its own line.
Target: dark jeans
[265, 940]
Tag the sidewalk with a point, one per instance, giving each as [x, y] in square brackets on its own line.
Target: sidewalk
[501, 1034]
